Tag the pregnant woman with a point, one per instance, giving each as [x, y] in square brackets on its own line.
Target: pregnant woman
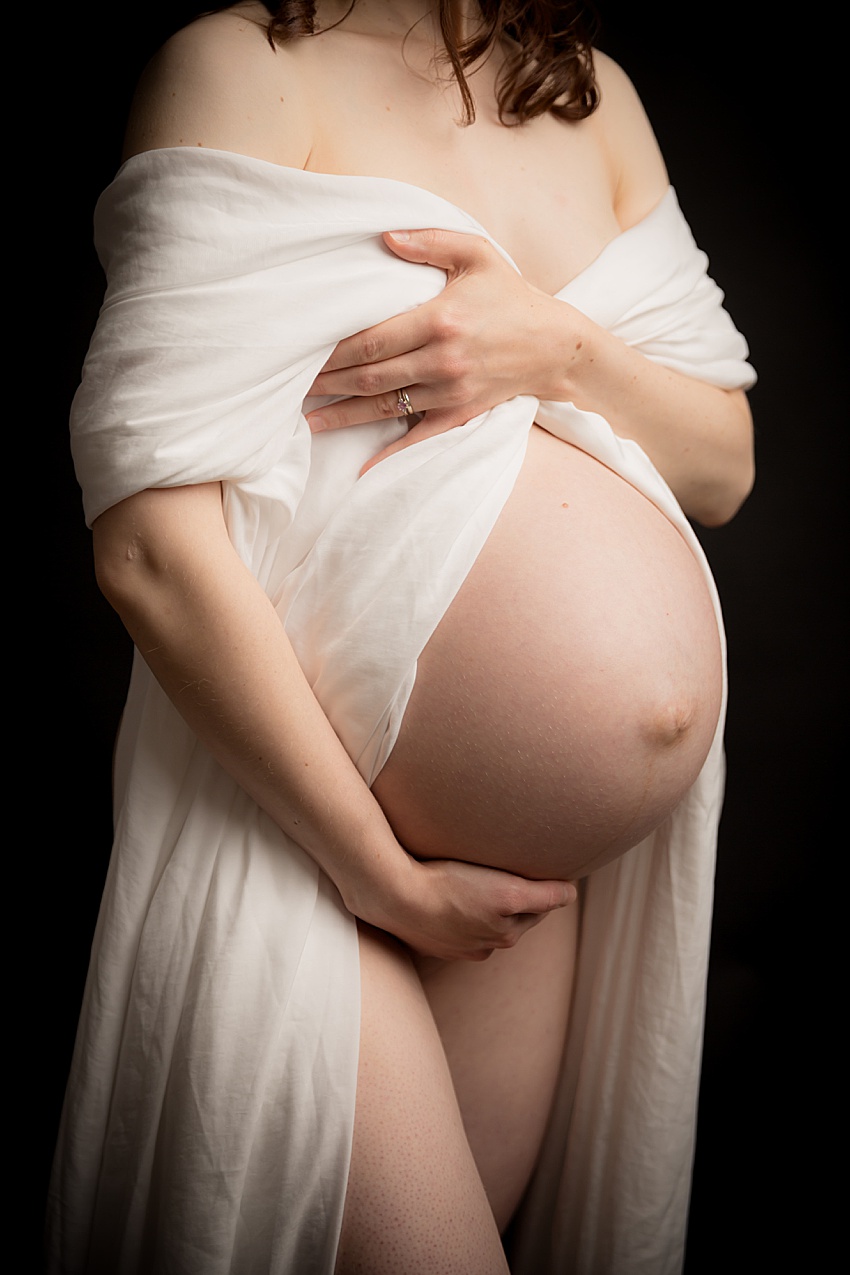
[407, 370]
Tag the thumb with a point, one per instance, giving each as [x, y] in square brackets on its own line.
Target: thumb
[538, 898]
[451, 250]
[546, 896]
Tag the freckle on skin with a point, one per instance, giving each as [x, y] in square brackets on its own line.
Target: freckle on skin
[565, 505]
[578, 345]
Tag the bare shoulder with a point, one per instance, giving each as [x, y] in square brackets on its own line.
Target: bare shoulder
[639, 173]
[219, 83]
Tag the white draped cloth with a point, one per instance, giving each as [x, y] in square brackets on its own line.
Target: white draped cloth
[207, 1124]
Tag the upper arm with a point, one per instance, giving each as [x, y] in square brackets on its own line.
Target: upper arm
[219, 84]
[638, 170]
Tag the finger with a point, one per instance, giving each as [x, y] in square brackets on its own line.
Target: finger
[444, 952]
[527, 920]
[434, 422]
[372, 378]
[360, 411]
[385, 340]
[451, 250]
[519, 925]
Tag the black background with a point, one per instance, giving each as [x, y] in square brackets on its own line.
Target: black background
[745, 114]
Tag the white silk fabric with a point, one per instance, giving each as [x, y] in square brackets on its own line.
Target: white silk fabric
[208, 1118]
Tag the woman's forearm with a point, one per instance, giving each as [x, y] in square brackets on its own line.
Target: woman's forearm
[698, 436]
[216, 645]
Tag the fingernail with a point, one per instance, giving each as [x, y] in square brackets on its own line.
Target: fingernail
[401, 236]
[316, 423]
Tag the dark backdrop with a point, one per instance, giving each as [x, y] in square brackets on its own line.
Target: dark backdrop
[740, 111]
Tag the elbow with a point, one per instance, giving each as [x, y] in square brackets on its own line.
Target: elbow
[146, 541]
[131, 552]
[717, 501]
[150, 550]
[721, 503]
[117, 563]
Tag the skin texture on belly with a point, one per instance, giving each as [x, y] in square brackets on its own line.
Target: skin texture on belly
[568, 698]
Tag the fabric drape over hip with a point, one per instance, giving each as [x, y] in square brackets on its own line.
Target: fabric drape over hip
[208, 1119]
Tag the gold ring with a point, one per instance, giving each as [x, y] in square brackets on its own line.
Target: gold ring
[404, 406]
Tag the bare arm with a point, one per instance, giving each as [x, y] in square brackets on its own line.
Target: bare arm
[699, 436]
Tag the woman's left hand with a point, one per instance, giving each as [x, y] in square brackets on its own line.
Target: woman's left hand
[485, 339]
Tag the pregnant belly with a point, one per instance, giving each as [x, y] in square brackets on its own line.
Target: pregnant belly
[569, 696]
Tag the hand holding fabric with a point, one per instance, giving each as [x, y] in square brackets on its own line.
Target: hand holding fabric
[485, 339]
[490, 336]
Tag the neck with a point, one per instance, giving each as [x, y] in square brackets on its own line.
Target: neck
[398, 17]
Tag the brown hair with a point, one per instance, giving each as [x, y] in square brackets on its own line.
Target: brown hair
[549, 66]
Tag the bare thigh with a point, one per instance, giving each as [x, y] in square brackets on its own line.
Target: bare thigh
[453, 1093]
[415, 1201]
[503, 1024]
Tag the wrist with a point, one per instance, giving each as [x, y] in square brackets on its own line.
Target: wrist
[376, 879]
[566, 339]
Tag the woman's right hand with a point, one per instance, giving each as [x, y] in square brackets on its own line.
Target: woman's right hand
[461, 911]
